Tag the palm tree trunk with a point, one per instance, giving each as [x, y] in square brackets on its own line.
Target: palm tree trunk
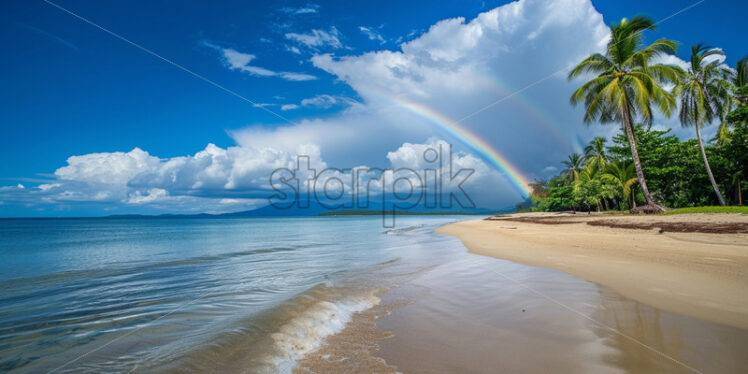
[740, 194]
[637, 164]
[708, 169]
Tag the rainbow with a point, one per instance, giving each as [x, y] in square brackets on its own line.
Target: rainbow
[517, 179]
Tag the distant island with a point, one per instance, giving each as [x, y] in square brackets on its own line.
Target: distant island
[369, 212]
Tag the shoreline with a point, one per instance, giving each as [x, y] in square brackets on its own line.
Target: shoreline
[456, 315]
[698, 274]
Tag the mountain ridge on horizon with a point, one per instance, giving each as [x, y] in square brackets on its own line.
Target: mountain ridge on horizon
[314, 210]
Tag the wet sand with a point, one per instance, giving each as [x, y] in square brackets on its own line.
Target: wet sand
[703, 275]
[466, 318]
[480, 314]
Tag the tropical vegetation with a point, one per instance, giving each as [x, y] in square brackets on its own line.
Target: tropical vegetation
[645, 169]
[627, 84]
[704, 93]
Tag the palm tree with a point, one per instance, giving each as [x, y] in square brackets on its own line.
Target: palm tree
[622, 174]
[587, 187]
[740, 81]
[574, 166]
[627, 85]
[740, 93]
[704, 94]
[591, 188]
[595, 153]
[739, 87]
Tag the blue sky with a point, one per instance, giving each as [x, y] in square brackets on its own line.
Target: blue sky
[70, 89]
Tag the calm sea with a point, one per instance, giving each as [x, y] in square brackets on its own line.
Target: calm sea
[195, 295]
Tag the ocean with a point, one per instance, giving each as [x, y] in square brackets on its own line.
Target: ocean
[195, 295]
[317, 295]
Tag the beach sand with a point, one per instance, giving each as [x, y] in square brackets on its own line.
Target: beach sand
[472, 313]
[465, 317]
[691, 264]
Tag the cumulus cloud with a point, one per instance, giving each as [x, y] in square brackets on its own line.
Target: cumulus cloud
[420, 156]
[236, 60]
[217, 179]
[214, 179]
[459, 67]
[317, 38]
[115, 168]
[154, 194]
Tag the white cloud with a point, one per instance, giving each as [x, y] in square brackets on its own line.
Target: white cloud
[458, 67]
[321, 101]
[296, 76]
[237, 201]
[308, 9]
[236, 60]
[205, 181]
[317, 38]
[438, 156]
[113, 168]
[672, 60]
[326, 101]
[673, 123]
[217, 179]
[152, 195]
[372, 34]
[416, 156]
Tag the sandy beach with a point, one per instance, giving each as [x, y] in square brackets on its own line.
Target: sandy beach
[690, 264]
[518, 302]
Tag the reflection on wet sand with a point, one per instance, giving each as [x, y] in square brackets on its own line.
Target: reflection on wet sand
[466, 318]
[674, 343]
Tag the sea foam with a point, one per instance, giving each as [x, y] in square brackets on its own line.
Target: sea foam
[306, 332]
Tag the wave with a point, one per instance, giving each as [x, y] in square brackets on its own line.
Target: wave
[307, 331]
[403, 229]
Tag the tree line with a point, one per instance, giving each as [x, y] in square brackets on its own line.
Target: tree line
[644, 169]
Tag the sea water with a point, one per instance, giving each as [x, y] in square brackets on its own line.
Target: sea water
[194, 294]
[317, 295]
